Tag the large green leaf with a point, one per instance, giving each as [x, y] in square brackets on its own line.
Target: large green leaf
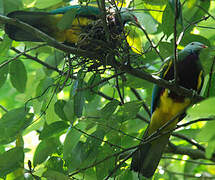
[51, 174]
[18, 75]
[54, 60]
[11, 160]
[45, 149]
[41, 4]
[13, 123]
[54, 129]
[155, 5]
[5, 45]
[79, 94]
[93, 86]
[3, 75]
[205, 108]
[59, 109]
[128, 111]
[70, 149]
[67, 19]
[109, 109]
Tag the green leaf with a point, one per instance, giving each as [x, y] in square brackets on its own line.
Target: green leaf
[54, 129]
[147, 22]
[18, 75]
[5, 45]
[51, 174]
[94, 80]
[59, 109]
[3, 75]
[134, 38]
[45, 149]
[41, 4]
[79, 95]
[128, 111]
[11, 160]
[55, 163]
[204, 109]
[43, 87]
[155, 5]
[69, 111]
[166, 49]
[109, 108]
[53, 60]
[67, 19]
[71, 147]
[11, 5]
[13, 123]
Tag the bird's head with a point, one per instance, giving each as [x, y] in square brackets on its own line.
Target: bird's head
[128, 17]
[194, 47]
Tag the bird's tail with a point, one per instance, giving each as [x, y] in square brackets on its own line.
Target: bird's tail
[146, 159]
[40, 20]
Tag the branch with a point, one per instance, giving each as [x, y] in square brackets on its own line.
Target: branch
[193, 153]
[44, 37]
[191, 141]
[188, 160]
[161, 82]
[175, 44]
[139, 98]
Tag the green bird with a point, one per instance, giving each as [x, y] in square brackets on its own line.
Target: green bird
[167, 104]
[78, 33]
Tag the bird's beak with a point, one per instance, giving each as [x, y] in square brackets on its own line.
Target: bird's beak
[204, 46]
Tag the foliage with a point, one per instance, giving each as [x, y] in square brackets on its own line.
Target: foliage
[65, 116]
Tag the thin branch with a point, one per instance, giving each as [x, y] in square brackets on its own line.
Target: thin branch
[151, 43]
[193, 153]
[188, 160]
[210, 77]
[44, 37]
[189, 175]
[191, 141]
[3, 108]
[175, 44]
[194, 121]
[99, 139]
[139, 98]
[37, 60]
[20, 54]
[161, 82]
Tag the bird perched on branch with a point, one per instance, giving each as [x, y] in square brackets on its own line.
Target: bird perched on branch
[78, 26]
[167, 104]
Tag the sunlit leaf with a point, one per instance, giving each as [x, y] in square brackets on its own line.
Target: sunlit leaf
[12, 123]
[18, 75]
[3, 75]
[11, 160]
[45, 149]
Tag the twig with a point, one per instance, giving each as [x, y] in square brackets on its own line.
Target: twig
[3, 108]
[99, 139]
[175, 44]
[194, 121]
[37, 60]
[17, 56]
[188, 175]
[191, 141]
[151, 43]
[44, 37]
[210, 77]
[139, 98]
[188, 160]
[161, 82]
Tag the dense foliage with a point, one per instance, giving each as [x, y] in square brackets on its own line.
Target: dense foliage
[65, 116]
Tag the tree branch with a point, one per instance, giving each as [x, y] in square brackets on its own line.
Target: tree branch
[44, 37]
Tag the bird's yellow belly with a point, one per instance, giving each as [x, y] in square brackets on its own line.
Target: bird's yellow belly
[166, 110]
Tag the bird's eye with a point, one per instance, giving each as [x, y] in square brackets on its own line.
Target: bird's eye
[192, 43]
